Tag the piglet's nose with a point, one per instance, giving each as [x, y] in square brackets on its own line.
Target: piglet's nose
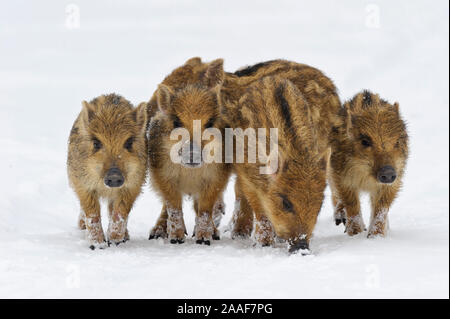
[114, 177]
[386, 174]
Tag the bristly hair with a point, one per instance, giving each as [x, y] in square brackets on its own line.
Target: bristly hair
[367, 98]
[252, 69]
[284, 105]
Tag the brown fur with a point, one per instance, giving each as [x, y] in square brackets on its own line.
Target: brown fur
[371, 136]
[111, 121]
[180, 105]
[318, 91]
[190, 73]
[289, 199]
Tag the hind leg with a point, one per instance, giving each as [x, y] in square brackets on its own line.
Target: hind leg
[218, 211]
[339, 211]
[338, 207]
[242, 220]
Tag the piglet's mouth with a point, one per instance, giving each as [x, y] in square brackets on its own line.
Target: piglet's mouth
[191, 165]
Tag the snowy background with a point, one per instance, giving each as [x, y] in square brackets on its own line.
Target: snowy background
[50, 61]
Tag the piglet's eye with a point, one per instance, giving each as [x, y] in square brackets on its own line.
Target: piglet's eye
[177, 123]
[210, 123]
[129, 144]
[366, 141]
[97, 144]
[287, 205]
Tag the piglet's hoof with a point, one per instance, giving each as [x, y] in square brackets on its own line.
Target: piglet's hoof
[117, 242]
[340, 220]
[301, 247]
[156, 236]
[101, 245]
[176, 241]
[158, 232]
[202, 241]
[216, 234]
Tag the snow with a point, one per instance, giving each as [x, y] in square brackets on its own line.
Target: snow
[48, 66]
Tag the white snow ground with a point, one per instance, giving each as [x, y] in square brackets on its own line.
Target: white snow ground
[399, 49]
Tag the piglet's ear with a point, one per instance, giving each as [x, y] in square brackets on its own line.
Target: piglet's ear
[195, 61]
[396, 108]
[140, 114]
[214, 74]
[87, 113]
[349, 118]
[164, 97]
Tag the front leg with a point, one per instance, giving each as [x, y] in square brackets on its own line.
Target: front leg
[350, 204]
[264, 232]
[242, 220]
[119, 210]
[176, 229]
[218, 208]
[93, 223]
[381, 202]
[204, 224]
[160, 229]
[82, 220]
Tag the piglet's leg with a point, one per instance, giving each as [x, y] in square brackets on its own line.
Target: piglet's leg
[351, 205]
[264, 232]
[204, 227]
[204, 224]
[93, 223]
[339, 211]
[381, 202]
[218, 211]
[176, 229]
[160, 229]
[242, 220]
[82, 220]
[119, 210]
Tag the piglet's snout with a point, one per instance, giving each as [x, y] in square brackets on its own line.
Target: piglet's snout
[191, 154]
[386, 175]
[114, 177]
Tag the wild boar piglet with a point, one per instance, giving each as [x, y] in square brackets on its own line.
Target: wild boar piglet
[287, 195]
[107, 158]
[369, 154]
[181, 129]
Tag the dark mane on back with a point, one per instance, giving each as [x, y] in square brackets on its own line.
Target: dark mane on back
[252, 69]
